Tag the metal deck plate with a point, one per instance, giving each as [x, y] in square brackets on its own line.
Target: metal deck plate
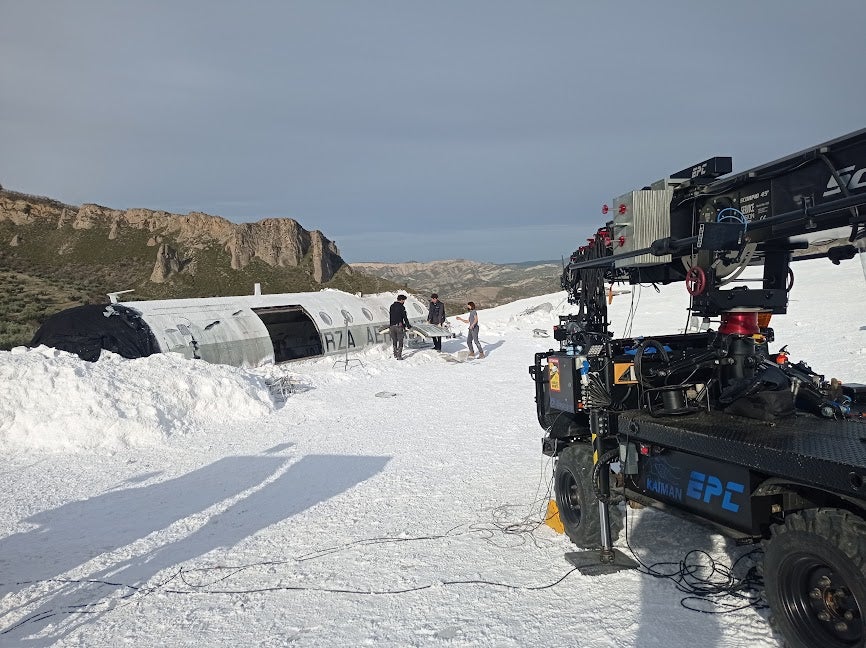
[805, 448]
[590, 563]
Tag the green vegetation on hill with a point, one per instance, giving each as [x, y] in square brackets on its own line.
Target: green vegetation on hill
[53, 269]
[26, 300]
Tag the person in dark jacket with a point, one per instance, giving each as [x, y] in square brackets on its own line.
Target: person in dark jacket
[399, 324]
[436, 315]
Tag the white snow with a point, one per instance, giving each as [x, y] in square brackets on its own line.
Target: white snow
[162, 501]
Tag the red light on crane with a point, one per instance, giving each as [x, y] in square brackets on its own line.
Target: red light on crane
[605, 209]
[622, 209]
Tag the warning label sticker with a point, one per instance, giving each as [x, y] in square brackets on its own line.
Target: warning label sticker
[623, 373]
[553, 367]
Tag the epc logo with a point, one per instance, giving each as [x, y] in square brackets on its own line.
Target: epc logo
[705, 487]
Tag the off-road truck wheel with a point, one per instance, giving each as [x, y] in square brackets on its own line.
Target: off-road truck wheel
[815, 579]
[576, 500]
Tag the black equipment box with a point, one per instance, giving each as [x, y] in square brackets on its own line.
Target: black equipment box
[564, 373]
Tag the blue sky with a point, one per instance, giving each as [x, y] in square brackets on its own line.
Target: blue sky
[413, 130]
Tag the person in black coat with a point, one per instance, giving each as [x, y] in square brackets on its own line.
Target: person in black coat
[398, 326]
[436, 315]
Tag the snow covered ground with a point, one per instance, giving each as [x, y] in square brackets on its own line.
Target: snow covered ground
[166, 502]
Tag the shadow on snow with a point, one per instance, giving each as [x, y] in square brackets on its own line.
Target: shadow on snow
[74, 533]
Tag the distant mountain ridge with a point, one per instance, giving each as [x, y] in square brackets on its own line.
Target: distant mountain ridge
[54, 256]
[278, 242]
[461, 280]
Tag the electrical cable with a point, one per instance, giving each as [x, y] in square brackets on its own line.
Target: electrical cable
[689, 312]
[193, 588]
[632, 309]
[524, 527]
[706, 581]
[737, 216]
[603, 460]
[638, 358]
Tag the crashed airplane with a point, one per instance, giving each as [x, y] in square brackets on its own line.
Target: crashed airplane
[243, 331]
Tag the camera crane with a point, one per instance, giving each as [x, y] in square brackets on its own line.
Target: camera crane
[712, 424]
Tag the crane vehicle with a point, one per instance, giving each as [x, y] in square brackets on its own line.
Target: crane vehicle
[712, 424]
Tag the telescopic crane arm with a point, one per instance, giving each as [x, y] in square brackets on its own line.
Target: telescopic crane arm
[703, 226]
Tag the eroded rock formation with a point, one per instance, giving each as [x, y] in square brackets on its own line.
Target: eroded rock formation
[275, 241]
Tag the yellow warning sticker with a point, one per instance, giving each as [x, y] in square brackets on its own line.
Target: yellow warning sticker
[623, 373]
[553, 368]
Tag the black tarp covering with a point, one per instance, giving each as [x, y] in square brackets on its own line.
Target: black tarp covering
[86, 330]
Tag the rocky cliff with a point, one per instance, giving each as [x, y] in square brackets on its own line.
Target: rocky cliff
[175, 238]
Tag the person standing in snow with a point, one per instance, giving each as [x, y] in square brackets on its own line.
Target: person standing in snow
[399, 324]
[472, 334]
[436, 315]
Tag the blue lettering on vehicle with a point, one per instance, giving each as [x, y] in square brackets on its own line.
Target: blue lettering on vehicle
[705, 488]
[664, 488]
